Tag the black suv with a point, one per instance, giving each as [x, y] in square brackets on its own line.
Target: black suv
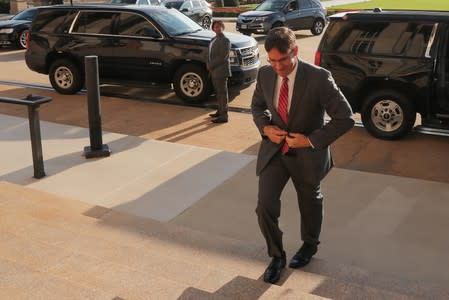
[391, 65]
[133, 43]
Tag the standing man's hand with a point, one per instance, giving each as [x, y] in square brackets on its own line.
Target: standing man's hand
[208, 67]
[297, 140]
[274, 133]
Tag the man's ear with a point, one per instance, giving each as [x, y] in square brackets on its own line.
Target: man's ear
[296, 50]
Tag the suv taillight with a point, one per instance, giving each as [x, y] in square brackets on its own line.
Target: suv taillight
[317, 58]
[27, 38]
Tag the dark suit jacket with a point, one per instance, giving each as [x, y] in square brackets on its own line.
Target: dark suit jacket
[219, 57]
[314, 93]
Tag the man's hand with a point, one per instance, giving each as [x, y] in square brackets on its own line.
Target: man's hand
[297, 140]
[274, 133]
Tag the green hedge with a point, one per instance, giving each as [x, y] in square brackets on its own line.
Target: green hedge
[4, 7]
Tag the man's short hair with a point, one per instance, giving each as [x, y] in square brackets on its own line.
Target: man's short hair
[281, 38]
[218, 22]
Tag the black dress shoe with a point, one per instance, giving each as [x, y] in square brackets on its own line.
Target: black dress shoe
[220, 120]
[303, 256]
[273, 272]
[214, 115]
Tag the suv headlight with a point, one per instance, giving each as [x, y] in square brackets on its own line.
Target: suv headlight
[6, 30]
[261, 19]
[233, 57]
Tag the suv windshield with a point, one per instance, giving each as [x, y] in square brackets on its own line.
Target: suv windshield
[174, 4]
[174, 22]
[271, 5]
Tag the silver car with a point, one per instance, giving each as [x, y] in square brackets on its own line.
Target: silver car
[295, 14]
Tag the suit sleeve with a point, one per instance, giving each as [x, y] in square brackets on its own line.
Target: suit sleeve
[221, 57]
[259, 105]
[337, 108]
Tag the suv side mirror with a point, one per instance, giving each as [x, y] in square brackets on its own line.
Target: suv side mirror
[184, 9]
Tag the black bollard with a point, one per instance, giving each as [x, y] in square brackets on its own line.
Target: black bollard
[36, 143]
[96, 148]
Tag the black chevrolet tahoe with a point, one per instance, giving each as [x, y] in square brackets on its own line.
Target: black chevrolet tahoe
[391, 65]
[140, 44]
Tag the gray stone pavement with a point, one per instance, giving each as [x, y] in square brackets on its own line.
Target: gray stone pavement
[391, 226]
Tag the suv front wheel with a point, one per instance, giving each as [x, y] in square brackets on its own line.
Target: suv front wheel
[22, 41]
[205, 22]
[191, 83]
[65, 76]
[388, 115]
[317, 27]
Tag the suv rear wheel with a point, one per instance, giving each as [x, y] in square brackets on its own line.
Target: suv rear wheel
[191, 83]
[317, 27]
[65, 76]
[388, 115]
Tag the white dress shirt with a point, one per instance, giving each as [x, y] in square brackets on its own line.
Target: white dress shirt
[291, 83]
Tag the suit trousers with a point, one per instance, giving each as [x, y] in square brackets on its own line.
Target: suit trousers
[272, 181]
[221, 91]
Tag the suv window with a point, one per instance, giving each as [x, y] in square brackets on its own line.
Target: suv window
[196, 4]
[54, 21]
[381, 38]
[303, 4]
[94, 22]
[134, 25]
[186, 5]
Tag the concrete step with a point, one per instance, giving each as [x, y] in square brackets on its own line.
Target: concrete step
[47, 234]
[92, 272]
[21, 282]
[101, 249]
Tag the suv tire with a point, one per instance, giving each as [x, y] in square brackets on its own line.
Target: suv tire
[277, 24]
[206, 22]
[317, 27]
[22, 40]
[388, 115]
[191, 83]
[65, 76]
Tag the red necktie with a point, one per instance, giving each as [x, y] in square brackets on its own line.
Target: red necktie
[283, 107]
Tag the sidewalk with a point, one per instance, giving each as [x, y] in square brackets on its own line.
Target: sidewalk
[387, 226]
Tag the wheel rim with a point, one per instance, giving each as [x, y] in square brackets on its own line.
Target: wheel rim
[23, 39]
[387, 115]
[319, 27]
[206, 23]
[63, 77]
[191, 84]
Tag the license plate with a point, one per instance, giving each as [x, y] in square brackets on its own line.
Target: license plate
[244, 26]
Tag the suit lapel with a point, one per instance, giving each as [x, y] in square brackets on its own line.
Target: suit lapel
[273, 81]
[298, 90]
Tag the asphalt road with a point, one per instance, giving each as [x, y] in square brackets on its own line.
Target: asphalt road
[418, 156]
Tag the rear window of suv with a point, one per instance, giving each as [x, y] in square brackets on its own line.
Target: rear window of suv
[54, 21]
[379, 38]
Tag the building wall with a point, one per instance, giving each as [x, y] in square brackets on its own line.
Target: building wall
[19, 5]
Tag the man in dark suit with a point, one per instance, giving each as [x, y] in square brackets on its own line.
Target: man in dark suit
[288, 107]
[220, 69]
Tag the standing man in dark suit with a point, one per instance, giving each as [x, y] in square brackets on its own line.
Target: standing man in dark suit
[295, 143]
[219, 67]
